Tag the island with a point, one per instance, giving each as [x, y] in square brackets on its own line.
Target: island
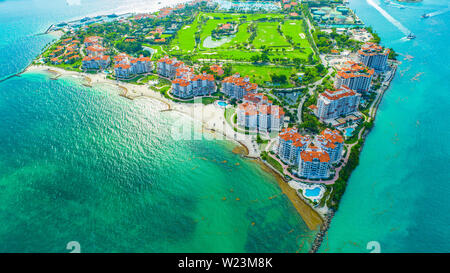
[297, 84]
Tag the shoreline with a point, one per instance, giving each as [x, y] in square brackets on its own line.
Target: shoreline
[212, 124]
[310, 216]
[212, 120]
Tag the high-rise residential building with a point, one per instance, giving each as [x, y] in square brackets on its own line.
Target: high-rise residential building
[95, 62]
[290, 144]
[256, 112]
[337, 103]
[374, 56]
[332, 142]
[355, 76]
[314, 163]
[237, 87]
[126, 66]
[187, 84]
[167, 67]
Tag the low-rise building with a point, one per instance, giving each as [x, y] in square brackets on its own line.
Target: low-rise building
[374, 56]
[314, 163]
[256, 112]
[355, 76]
[92, 40]
[217, 69]
[237, 87]
[337, 103]
[55, 60]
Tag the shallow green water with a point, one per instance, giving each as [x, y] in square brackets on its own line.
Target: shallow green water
[86, 165]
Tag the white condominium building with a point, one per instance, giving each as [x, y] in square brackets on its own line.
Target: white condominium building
[290, 144]
[95, 50]
[332, 142]
[341, 102]
[141, 65]
[258, 113]
[314, 163]
[95, 62]
[237, 87]
[167, 67]
[186, 84]
[374, 56]
[126, 66]
[355, 76]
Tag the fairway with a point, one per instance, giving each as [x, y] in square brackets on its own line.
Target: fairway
[185, 39]
[268, 35]
[294, 29]
[261, 74]
[271, 33]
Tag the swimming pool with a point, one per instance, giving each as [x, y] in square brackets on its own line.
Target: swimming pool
[349, 131]
[222, 103]
[312, 192]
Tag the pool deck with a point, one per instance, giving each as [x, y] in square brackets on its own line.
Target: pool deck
[303, 186]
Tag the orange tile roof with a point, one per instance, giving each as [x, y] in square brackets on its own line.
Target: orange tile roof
[92, 39]
[204, 77]
[96, 48]
[352, 69]
[313, 152]
[239, 81]
[291, 134]
[371, 49]
[123, 66]
[181, 82]
[332, 135]
[225, 26]
[216, 68]
[344, 91]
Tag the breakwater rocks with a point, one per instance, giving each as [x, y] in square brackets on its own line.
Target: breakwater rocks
[323, 231]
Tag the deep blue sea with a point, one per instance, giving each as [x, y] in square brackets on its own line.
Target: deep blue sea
[84, 164]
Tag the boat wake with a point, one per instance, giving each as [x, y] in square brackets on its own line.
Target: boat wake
[439, 12]
[391, 19]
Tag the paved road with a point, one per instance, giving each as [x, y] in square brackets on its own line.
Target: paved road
[311, 93]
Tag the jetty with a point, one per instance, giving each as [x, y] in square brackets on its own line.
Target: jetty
[322, 233]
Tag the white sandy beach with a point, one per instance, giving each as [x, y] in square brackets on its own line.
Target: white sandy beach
[211, 115]
[213, 125]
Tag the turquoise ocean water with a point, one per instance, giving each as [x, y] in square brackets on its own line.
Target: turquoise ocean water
[84, 164]
[398, 195]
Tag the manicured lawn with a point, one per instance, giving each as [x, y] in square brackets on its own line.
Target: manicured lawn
[294, 29]
[267, 35]
[185, 40]
[261, 74]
